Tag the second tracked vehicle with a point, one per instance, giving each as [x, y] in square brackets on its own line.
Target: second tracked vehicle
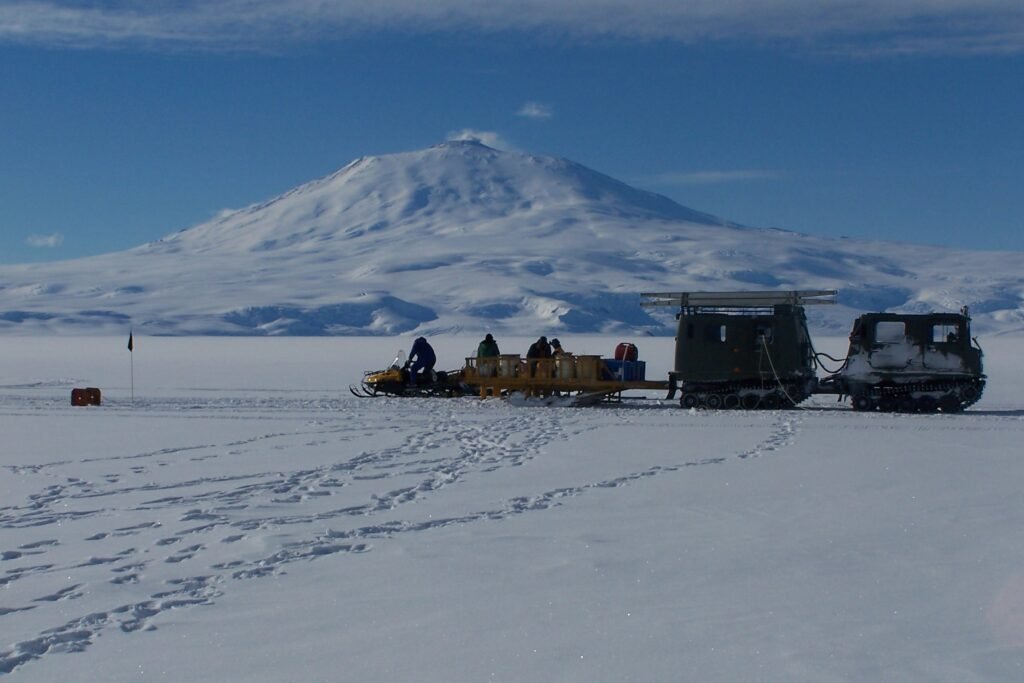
[910, 363]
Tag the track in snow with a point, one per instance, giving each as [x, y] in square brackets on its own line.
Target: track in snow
[283, 480]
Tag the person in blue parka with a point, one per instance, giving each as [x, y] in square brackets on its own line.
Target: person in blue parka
[421, 357]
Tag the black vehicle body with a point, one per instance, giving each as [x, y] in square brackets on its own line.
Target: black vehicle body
[910, 363]
[753, 350]
[742, 349]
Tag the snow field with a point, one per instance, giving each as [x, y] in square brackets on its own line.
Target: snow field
[247, 519]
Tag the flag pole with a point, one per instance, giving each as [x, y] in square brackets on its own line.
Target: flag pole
[131, 354]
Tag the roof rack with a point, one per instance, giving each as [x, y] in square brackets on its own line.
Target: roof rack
[802, 297]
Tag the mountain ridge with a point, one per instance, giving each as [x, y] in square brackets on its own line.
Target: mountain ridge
[461, 237]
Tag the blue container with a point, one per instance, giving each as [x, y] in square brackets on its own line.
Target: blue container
[626, 370]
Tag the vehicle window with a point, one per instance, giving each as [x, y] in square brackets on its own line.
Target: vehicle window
[890, 332]
[715, 333]
[945, 333]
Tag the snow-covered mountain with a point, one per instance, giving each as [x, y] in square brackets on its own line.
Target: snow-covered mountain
[464, 237]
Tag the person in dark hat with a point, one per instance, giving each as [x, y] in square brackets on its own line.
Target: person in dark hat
[421, 358]
[488, 348]
[556, 348]
[486, 357]
[538, 350]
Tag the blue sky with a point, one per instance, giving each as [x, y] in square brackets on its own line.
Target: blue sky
[900, 119]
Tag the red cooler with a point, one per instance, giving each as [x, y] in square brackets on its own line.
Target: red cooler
[626, 351]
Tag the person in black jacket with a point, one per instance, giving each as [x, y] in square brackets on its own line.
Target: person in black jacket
[487, 357]
[421, 357]
[538, 350]
[488, 348]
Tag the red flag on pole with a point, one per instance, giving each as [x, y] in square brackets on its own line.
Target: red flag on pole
[130, 344]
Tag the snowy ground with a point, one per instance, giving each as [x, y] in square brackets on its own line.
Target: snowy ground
[247, 519]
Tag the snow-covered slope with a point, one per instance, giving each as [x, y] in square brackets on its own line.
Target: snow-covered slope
[464, 237]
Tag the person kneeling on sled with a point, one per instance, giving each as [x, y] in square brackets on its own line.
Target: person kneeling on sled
[421, 357]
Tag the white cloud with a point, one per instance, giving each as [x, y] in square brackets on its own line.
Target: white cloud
[51, 241]
[534, 110]
[861, 26]
[713, 177]
[486, 137]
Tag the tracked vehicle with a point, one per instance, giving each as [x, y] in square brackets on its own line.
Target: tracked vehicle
[910, 363]
[742, 349]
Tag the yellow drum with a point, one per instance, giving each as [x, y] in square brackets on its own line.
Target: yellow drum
[565, 365]
[586, 367]
[508, 365]
[487, 366]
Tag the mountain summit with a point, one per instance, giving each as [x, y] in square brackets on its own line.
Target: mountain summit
[461, 236]
[452, 189]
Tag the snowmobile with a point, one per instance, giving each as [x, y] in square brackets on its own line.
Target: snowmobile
[396, 380]
[910, 363]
